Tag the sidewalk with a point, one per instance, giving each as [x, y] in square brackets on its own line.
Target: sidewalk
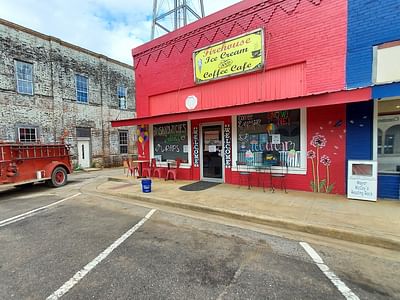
[370, 223]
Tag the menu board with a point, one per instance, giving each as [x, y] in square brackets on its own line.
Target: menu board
[171, 141]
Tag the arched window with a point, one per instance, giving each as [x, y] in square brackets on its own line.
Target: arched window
[392, 140]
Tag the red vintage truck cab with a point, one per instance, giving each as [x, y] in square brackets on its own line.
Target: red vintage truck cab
[24, 164]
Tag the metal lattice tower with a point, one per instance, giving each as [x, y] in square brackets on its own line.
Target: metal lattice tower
[169, 15]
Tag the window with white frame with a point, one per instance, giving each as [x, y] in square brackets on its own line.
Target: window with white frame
[81, 88]
[170, 141]
[121, 92]
[389, 136]
[123, 141]
[27, 134]
[387, 62]
[270, 138]
[24, 74]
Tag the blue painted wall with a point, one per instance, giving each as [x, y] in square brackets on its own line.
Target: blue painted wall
[359, 130]
[370, 23]
[389, 186]
[386, 90]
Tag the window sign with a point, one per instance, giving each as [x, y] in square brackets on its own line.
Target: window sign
[171, 141]
[211, 138]
[270, 137]
[275, 139]
[212, 148]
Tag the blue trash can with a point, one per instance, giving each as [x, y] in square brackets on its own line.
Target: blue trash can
[146, 185]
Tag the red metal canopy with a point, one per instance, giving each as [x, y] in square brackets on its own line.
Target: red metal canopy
[332, 98]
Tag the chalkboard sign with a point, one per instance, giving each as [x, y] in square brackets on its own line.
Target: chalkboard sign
[268, 133]
[171, 141]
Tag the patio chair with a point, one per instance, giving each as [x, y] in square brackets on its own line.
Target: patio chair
[279, 172]
[125, 165]
[133, 168]
[174, 171]
[149, 171]
[244, 172]
[158, 170]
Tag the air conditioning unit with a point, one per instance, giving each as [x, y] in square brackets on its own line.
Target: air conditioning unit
[122, 103]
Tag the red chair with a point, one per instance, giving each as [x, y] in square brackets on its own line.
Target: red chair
[158, 170]
[174, 171]
[149, 171]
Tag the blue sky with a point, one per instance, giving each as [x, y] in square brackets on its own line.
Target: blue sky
[109, 27]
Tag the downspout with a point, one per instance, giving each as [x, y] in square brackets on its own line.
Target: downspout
[54, 123]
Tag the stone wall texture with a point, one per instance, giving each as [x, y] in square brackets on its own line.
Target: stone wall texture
[53, 108]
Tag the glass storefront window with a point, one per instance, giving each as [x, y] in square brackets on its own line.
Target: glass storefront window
[389, 136]
[170, 141]
[269, 138]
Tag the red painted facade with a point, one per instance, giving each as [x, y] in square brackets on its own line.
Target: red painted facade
[305, 49]
[305, 43]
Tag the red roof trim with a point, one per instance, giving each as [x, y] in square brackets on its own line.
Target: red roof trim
[332, 98]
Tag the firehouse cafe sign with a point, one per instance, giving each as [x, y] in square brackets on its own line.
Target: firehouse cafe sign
[242, 54]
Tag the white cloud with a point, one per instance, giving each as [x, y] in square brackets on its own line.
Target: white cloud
[110, 27]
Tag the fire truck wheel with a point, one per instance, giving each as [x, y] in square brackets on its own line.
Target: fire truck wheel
[58, 177]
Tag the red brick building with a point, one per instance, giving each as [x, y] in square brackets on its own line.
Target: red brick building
[291, 107]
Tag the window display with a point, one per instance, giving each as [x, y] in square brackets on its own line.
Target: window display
[269, 138]
[171, 141]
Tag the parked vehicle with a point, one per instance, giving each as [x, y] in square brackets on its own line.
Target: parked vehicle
[25, 164]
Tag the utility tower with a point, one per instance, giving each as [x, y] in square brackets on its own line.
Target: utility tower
[169, 15]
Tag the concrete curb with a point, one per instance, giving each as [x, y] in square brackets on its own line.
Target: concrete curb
[341, 234]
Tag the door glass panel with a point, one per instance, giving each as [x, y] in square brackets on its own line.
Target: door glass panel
[212, 152]
[389, 136]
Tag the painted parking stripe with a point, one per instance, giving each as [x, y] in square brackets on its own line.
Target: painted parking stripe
[341, 286]
[90, 266]
[33, 212]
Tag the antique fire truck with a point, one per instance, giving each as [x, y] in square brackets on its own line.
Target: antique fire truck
[25, 164]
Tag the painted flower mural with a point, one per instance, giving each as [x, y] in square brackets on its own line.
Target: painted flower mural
[319, 184]
[318, 141]
[311, 154]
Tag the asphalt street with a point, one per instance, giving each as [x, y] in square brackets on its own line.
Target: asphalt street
[93, 246]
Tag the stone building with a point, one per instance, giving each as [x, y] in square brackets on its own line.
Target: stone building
[50, 89]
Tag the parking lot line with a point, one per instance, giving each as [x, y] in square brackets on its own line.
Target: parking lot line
[86, 269]
[340, 285]
[33, 212]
